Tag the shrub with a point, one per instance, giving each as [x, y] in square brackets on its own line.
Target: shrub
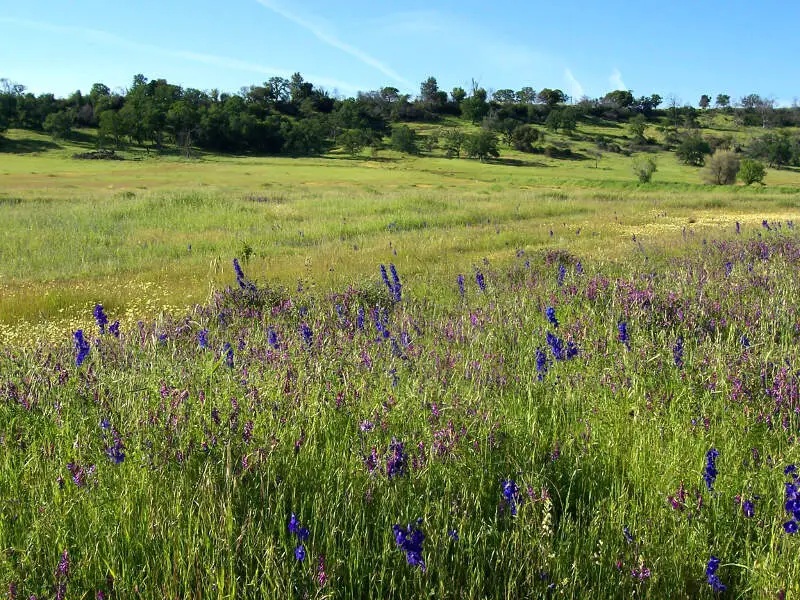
[752, 171]
[692, 150]
[525, 138]
[404, 139]
[644, 167]
[722, 168]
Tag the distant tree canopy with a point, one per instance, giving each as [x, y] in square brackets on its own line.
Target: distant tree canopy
[294, 116]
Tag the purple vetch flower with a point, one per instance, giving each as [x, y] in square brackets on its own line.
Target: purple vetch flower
[81, 347]
[710, 471]
[202, 338]
[711, 573]
[62, 570]
[728, 268]
[550, 312]
[460, 281]
[113, 329]
[322, 577]
[579, 268]
[100, 317]
[410, 540]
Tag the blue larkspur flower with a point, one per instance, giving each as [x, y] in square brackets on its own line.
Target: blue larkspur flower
[710, 471]
[541, 364]
[510, 493]
[228, 352]
[556, 346]
[300, 553]
[460, 281]
[562, 273]
[81, 347]
[100, 317]
[410, 540]
[711, 573]
[397, 287]
[550, 312]
[480, 280]
[113, 329]
[622, 329]
[748, 509]
[397, 463]
[240, 278]
[307, 334]
[202, 338]
[272, 338]
[677, 352]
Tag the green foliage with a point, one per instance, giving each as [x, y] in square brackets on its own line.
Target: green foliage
[751, 171]
[643, 168]
[305, 137]
[721, 168]
[453, 141]
[776, 149]
[482, 145]
[693, 150]
[353, 141]
[404, 139]
[551, 97]
[619, 98]
[59, 124]
[526, 137]
[475, 108]
[637, 126]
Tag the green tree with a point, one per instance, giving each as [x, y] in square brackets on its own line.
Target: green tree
[723, 101]
[482, 145]
[526, 95]
[618, 99]
[458, 94]
[404, 139]
[475, 108]
[452, 142]
[644, 167]
[776, 149]
[551, 97]
[305, 136]
[692, 150]
[429, 90]
[705, 101]
[638, 126]
[111, 128]
[752, 171]
[353, 141]
[721, 169]
[59, 124]
[505, 96]
[525, 138]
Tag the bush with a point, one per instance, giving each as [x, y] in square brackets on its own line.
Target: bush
[482, 145]
[525, 137]
[404, 139]
[752, 171]
[692, 150]
[722, 168]
[644, 167]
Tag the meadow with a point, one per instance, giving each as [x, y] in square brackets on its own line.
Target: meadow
[422, 377]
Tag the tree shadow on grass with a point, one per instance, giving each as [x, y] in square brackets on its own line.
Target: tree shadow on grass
[517, 162]
[26, 146]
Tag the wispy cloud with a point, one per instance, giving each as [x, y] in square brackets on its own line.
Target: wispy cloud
[333, 41]
[575, 87]
[111, 39]
[616, 80]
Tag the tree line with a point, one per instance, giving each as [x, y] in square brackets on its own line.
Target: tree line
[293, 116]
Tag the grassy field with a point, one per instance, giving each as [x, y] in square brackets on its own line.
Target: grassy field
[562, 383]
[154, 233]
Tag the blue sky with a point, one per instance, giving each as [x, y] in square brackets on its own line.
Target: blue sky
[684, 48]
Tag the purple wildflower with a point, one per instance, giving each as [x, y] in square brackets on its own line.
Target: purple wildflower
[480, 280]
[300, 553]
[460, 281]
[240, 278]
[100, 317]
[550, 312]
[622, 328]
[711, 573]
[710, 472]
[81, 347]
[409, 540]
[749, 509]
[677, 352]
[541, 364]
[510, 493]
[397, 464]
[562, 273]
[308, 335]
[113, 329]
[202, 338]
[228, 352]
